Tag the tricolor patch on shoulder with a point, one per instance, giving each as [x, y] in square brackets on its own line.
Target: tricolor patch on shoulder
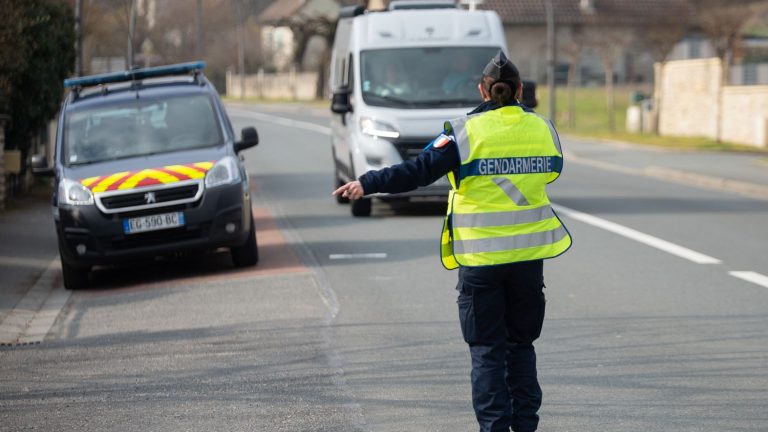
[441, 141]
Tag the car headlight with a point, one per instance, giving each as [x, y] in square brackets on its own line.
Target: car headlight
[376, 128]
[225, 171]
[74, 193]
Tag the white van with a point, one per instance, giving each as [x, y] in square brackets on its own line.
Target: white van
[396, 76]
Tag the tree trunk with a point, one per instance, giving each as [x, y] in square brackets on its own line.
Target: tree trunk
[573, 81]
[658, 96]
[609, 92]
[322, 71]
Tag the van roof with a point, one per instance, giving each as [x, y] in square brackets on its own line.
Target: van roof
[433, 27]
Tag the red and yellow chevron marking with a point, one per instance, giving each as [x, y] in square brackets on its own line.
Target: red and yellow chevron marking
[147, 177]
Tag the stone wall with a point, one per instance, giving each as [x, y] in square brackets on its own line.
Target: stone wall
[692, 101]
[282, 86]
[687, 99]
[745, 115]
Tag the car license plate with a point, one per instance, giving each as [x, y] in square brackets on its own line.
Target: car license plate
[153, 222]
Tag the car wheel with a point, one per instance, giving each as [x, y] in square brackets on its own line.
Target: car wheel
[74, 277]
[247, 254]
[361, 207]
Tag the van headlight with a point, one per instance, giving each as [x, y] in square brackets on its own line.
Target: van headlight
[74, 193]
[225, 171]
[376, 128]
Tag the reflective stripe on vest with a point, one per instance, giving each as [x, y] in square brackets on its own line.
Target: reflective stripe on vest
[492, 219]
[503, 244]
[498, 211]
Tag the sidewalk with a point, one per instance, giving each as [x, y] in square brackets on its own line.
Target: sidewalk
[740, 173]
[27, 245]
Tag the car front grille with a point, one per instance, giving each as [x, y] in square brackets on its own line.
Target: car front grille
[410, 148]
[155, 238]
[149, 197]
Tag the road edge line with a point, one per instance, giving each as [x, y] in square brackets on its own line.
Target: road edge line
[638, 236]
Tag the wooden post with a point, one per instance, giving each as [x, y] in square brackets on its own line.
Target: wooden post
[3, 121]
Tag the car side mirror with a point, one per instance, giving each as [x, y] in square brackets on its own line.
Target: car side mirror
[39, 165]
[248, 138]
[529, 94]
[340, 101]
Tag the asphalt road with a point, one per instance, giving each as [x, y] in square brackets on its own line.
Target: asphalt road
[350, 324]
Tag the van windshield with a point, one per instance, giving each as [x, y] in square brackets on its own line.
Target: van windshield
[139, 127]
[434, 77]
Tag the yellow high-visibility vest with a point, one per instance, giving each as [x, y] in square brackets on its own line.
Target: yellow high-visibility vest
[498, 209]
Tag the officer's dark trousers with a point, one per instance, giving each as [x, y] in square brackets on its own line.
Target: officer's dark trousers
[501, 310]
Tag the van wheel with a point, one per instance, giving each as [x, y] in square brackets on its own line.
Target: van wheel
[74, 277]
[247, 254]
[361, 207]
[340, 199]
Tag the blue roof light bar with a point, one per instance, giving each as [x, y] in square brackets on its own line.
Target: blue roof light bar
[135, 74]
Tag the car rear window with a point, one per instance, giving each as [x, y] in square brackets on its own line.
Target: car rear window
[140, 127]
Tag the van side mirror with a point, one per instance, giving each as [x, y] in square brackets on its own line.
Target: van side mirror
[248, 138]
[39, 165]
[340, 101]
[529, 94]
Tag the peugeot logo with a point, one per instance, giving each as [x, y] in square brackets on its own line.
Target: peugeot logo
[149, 197]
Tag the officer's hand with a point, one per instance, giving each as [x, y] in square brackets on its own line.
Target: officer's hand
[352, 190]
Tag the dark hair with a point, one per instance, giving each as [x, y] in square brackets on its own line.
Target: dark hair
[501, 92]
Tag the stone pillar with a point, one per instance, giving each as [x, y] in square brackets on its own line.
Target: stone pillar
[3, 122]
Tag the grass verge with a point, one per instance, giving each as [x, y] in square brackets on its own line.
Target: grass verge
[591, 120]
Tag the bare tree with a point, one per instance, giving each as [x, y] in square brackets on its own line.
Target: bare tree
[105, 26]
[722, 21]
[304, 28]
[610, 42]
[573, 50]
[661, 40]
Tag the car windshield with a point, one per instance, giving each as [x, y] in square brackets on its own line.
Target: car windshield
[441, 77]
[140, 127]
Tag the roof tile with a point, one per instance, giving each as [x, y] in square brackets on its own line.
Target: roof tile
[605, 12]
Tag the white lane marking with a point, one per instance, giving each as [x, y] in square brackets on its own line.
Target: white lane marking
[375, 255]
[32, 318]
[24, 262]
[750, 276]
[641, 237]
[281, 121]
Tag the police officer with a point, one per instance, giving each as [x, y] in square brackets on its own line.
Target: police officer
[498, 230]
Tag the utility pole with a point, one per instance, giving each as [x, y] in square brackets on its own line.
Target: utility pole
[551, 58]
[199, 23]
[131, 32]
[78, 38]
[240, 47]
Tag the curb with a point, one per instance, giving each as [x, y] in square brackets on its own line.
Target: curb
[750, 190]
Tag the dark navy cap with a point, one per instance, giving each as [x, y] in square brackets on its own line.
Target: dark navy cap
[501, 69]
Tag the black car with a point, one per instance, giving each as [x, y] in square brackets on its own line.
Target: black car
[147, 164]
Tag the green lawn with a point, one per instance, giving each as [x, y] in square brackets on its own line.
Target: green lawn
[591, 119]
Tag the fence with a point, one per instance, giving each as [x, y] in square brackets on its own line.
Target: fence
[290, 85]
[693, 101]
